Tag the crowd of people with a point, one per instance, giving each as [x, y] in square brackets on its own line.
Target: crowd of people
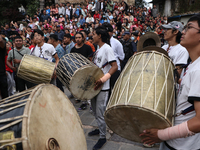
[106, 33]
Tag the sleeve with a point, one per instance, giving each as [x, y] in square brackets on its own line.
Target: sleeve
[120, 51]
[10, 55]
[52, 50]
[194, 90]
[110, 55]
[182, 57]
[89, 51]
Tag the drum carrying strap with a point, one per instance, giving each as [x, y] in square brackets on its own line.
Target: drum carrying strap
[185, 111]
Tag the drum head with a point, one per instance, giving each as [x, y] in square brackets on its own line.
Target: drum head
[53, 122]
[130, 121]
[154, 48]
[83, 82]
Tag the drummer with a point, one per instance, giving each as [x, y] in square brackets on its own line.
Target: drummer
[19, 52]
[105, 59]
[177, 53]
[184, 135]
[44, 50]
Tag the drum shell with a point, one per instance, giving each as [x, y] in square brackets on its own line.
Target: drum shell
[143, 96]
[35, 69]
[44, 116]
[79, 75]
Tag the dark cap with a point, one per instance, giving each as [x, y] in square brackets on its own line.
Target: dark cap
[126, 32]
[58, 26]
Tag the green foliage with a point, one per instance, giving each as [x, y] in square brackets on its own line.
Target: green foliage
[32, 7]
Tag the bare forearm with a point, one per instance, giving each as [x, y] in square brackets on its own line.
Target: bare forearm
[113, 69]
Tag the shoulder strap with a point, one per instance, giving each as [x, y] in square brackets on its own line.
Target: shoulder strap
[20, 53]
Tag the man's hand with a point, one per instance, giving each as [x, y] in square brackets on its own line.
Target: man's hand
[16, 61]
[14, 69]
[98, 84]
[151, 136]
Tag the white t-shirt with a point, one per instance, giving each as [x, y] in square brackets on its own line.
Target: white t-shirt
[103, 56]
[89, 19]
[47, 51]
[177, 53]
[188, 92]
[118, 50]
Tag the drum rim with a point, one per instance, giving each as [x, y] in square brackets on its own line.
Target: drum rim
[82, 67]
[156, 52]
[155, 48]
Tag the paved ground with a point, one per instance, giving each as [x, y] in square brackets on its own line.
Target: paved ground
[114, 142]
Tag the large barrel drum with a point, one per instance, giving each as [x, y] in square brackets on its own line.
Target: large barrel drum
[41, 118]
[143, 96]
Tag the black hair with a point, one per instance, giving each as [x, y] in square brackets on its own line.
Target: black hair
[81, 35]
[108, 26]
[54, 37]
[18, 37]
[178, 36]
[32, 36]
[68, 36]
[46, 39]
[104, 34]
[195, 18]
[38, 32]
[84, 32]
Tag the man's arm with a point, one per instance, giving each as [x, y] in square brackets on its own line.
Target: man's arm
[56, 58]
[2, 42]
[8, 62]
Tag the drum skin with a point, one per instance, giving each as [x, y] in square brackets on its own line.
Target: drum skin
[35, 69]
[79, 75]
[51, 121]
[143, 96]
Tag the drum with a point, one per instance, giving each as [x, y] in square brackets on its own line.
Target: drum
[35, 69]
[42, 118]
[143, 96]
[79, 75]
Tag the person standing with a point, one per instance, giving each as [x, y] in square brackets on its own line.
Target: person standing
[185, 133]
[3, 78]
[104, 55]
[118, 52]
[44, 50]
[19, 52]
[53, 39]
[68, 43]
[128, 47]
[178, 54]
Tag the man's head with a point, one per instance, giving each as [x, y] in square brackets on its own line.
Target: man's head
[101, 35]
[79, 38]
[84, 32]
[173, 31]
[67, 39]
[191, 33]
[53, 39]
[126, 35]
[39, 36]
[109, 28]
[58, 27]
[18, 42]
[32, 39]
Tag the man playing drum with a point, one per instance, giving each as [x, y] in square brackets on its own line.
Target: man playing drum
[44, 50]
[184, 135]
[105, 59]
[16, 56]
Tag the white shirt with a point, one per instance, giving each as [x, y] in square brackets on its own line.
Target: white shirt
[188, 92]
[47, 51]
[102, 56]
[177, 53]
[88, 20]
[118, 51]
[68, 11]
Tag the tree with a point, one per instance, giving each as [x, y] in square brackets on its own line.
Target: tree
[11, 11]
[140, 3]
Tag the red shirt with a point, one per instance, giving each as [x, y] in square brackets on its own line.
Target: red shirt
[7, 68]
[96, 16]
[30, 47]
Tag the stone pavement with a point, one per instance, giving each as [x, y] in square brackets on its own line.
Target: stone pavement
[114, 142]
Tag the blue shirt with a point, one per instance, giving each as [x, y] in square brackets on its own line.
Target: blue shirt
[69, 47]
[82, 21]
[60, 52]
